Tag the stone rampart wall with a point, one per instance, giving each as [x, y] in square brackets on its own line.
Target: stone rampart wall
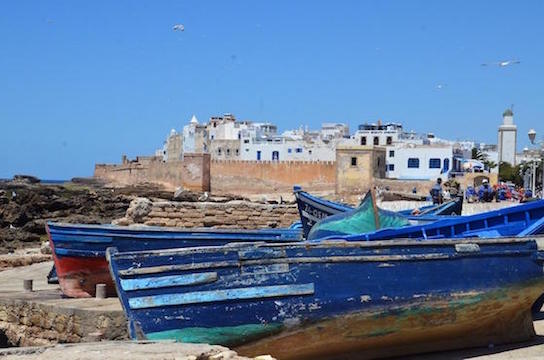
[191, 173]
[253, 177]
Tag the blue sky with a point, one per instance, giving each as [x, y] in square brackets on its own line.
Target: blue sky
[85, 82]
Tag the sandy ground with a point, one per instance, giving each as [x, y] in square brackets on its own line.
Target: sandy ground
[122, 350]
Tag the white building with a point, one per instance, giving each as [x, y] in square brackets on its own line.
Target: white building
[407, 161]
[378, 134]
[280, 148]
[331, 131]
[507, 142]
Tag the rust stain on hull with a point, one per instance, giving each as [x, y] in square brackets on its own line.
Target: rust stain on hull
[495, 317]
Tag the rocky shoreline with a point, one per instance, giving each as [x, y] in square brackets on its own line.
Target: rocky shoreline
[26, 205]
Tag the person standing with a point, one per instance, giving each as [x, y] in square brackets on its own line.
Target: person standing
[436, 192]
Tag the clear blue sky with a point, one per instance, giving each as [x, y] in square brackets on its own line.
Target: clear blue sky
[84, 82]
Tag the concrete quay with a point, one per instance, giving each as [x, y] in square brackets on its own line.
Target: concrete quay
[44, 317]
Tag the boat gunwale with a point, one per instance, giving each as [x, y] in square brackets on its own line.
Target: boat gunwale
[235, 246]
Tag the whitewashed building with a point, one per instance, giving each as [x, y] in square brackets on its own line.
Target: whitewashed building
[408, 161]
[378, 134]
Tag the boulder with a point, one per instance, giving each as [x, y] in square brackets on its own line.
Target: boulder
[138, 209]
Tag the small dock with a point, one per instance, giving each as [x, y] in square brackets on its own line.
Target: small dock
[43, 316]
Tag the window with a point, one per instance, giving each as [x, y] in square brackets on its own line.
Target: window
[228, 152]
[219, 151]
[389, 140]
[275, 155]
[246, 141]
[391, 153]
[363, 140]
[310, 152]
[376, 140]
[212, 136]
[353, 161]
[391, 167]
[258, 154]
[434, 163]
[413, 163]
[446, 165]
[237, 152]
[289, 150]
[298, 150]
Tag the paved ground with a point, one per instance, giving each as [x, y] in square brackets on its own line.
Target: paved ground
[11, 287]
[122, 350]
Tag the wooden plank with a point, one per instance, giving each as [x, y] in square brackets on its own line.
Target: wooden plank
[199, 297]
[168, 281]
[375, 207]
[180, 267]
[535, 228]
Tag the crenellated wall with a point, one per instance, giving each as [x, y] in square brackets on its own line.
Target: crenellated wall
[192, 172]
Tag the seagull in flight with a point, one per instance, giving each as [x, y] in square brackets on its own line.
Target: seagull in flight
[178, 27]
[503, 63]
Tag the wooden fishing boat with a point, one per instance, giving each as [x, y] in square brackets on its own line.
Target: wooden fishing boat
[312, 209]
[520, 220]
[321, 299]
[79, 250]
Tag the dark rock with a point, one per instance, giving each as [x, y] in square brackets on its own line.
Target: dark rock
[185, 195]
[29, 179]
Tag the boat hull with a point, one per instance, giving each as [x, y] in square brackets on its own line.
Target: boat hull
[322, 299]
[79, 251]
[500, 317]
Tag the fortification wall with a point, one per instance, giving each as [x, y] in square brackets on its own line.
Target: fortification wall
[191, 173]
[232, 176]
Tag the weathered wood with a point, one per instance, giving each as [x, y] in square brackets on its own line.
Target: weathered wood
[257, 292]
[168, 281]
[180, 267]
[375, 208]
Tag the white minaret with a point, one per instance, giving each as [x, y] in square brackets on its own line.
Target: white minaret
[507, 138]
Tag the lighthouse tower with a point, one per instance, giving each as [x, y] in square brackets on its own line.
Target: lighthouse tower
[507, 138]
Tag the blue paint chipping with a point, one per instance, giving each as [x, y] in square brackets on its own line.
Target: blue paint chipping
[221, 295]
[168, 281]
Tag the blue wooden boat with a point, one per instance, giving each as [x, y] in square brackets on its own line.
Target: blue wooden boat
[321, 299]
[312, 209]
[79, 250]
[523, 220]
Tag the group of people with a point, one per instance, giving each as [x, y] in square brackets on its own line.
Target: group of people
[484, 193]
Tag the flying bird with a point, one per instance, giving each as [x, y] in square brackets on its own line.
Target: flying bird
[178, 27]
[502, 63]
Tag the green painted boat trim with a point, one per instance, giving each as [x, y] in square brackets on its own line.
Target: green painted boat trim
[226, 335]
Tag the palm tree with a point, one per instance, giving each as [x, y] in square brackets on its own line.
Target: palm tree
[489, 164]
[478, 154]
